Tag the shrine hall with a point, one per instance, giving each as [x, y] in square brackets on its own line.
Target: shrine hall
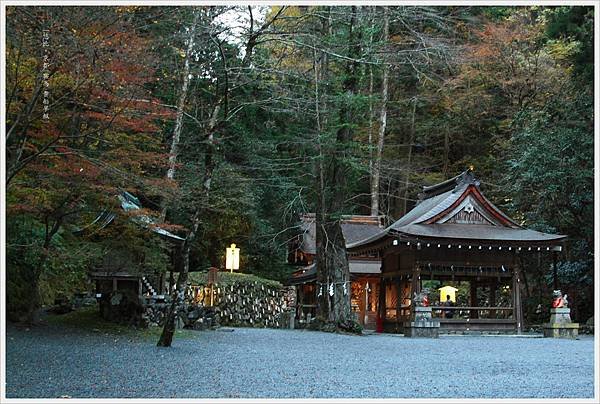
[455, 234]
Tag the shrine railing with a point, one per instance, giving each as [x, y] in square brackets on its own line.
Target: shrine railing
[458, 312]
[495, 312]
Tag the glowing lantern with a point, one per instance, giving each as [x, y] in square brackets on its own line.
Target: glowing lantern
[447, 291]
[232, 258]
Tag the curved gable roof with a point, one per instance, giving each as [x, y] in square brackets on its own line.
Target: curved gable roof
[435, 216]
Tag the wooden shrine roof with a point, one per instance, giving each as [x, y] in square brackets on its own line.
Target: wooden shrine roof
[129, 203]
[476, 232]
[457, 210]
[354, 228]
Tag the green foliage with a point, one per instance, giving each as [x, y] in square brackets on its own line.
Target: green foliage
[35, 274]
[572, 28]
[550, 178]
[551, 171]
[228, 279]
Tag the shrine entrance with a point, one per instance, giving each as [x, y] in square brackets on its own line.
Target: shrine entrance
[365, 293]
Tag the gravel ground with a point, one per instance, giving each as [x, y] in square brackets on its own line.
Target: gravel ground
[50, 362]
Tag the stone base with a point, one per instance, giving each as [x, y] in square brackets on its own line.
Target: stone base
[561, 330]
[422, 329]
[560, 315]
[421, 313]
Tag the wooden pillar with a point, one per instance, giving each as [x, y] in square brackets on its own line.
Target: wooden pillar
[517, 309]
[139, 287]
[493, 287]
[381, 308]
[300, 303]
[398, 298]
[114, 284]
[374, 285]
[554, 271]
[171, 282]
[415, 287]
[365, 314]
[473, 299]
[415, 282]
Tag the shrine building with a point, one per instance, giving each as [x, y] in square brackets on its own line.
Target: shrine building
[454, 235]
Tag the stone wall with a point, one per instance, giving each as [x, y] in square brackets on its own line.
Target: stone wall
[239, 302]
[248, 304]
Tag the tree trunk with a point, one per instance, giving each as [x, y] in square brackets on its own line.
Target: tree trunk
[409, 158]
[180, 107]
[35, 271]
[446, 151]
[376, 170]
[178, 295]
[371, 109]
[166, 337]
[323, 304]
[333, 275]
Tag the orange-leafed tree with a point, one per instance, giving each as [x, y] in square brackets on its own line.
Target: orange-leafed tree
[100, 134]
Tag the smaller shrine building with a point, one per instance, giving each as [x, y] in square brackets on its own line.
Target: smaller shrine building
[364, 268]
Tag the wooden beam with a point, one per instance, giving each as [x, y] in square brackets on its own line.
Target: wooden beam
[478, 320]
